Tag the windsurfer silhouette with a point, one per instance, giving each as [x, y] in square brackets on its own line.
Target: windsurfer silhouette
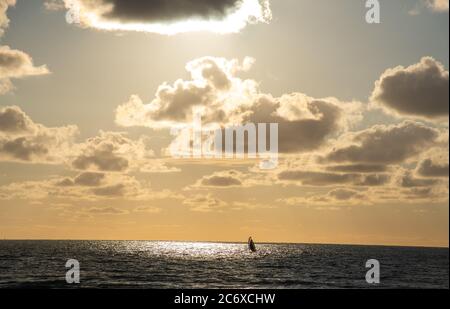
[251, 244]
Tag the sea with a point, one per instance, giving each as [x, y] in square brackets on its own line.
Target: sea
[199, 265]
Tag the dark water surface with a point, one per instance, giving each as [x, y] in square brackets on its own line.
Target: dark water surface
[145, 264]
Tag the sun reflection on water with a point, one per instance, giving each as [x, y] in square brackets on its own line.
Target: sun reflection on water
[202, 250]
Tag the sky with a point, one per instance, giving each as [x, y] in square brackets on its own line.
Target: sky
[90, 91]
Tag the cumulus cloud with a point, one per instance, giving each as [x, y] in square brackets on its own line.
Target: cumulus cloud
[420, 90]
[4, 20]
[227, 179]
[110, 152]
[383, 144]
[86, 179]
[230, 179]
[305, 123]
[169, 16]
[16, 64]
[213, 88]
[14, 121]
[22, 140]
[155, 166]
[438, 5]
[205, 203]
[429, 168]
[435, 6]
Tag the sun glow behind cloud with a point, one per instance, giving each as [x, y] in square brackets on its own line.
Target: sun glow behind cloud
[248, 12]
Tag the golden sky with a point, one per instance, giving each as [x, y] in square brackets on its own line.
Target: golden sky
[89, 96]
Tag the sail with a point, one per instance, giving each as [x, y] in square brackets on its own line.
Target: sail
[251, 245]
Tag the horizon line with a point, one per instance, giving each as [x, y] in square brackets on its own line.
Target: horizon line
[236, 242]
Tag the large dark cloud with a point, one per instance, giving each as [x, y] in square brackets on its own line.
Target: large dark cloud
[168, 10]
[421, 90]
[428, 168]
[167, 16]
[385, 144]
[302, 133]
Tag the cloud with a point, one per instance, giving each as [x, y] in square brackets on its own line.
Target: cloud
[156, 166]
[22, 140]
[86, 179]
[409, 181]
[147, 209]
[343, 197]
[420, 90]
[54, 5]
[305, 123]
[169, 16]
[224, 179]
[336, 197]
[358, 168]
[4, 20]
[116, 190]
[429, 168]
[86, 186]
[383, 144]
[14, 121]
[230, 179]
[16, 64]
[437, 5]
[107, 211]
[110, 152]
[319, 178]
[205, 203]
[213, 88]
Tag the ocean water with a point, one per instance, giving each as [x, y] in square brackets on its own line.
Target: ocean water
[145, 264]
